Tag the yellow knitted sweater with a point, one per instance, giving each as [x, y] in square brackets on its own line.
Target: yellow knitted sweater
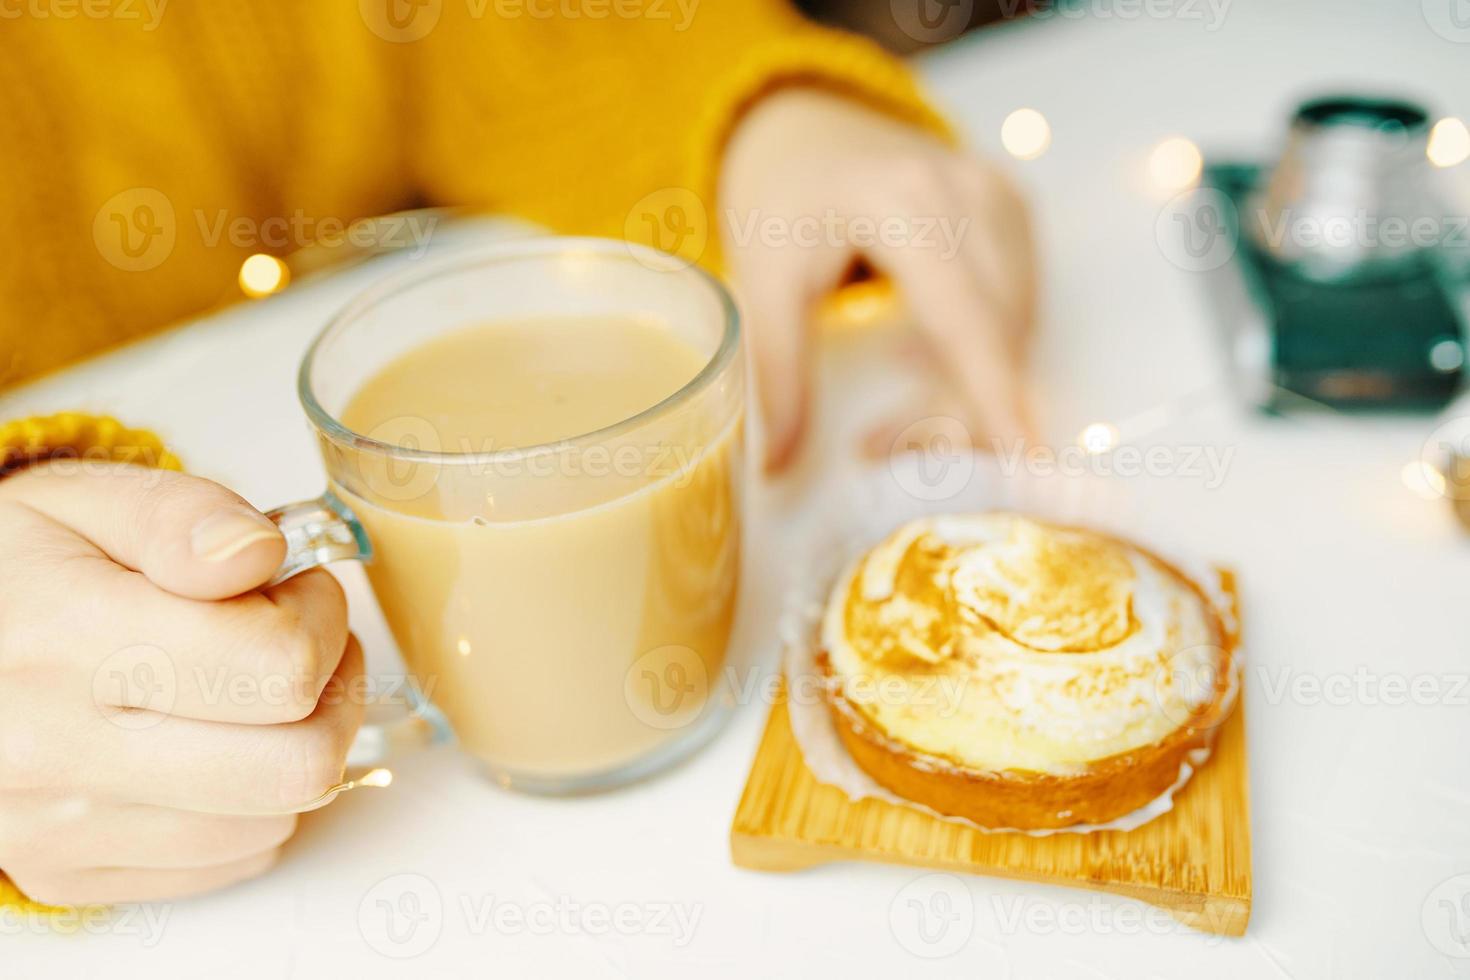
[145, 160]
[149, 150]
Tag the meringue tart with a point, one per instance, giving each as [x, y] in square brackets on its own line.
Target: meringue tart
[1023, 674]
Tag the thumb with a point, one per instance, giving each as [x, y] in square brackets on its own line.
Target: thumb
[188, 535]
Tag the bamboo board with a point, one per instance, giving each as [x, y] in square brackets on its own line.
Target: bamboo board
[1194, 861]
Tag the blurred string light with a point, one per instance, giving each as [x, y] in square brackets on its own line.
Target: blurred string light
[1447, 356]
[1025, 134]
[1175, 163]
[1098, 438]
[1423, 480]
[373, 778]
[378, 778]
[1449, 143]
[262, 275]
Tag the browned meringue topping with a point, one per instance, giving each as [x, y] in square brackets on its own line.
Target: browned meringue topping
[1056, 646]
[1046, 588]
[1049, 589]
[917, 620]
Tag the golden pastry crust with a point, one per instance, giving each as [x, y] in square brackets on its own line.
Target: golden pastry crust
[1109, 788]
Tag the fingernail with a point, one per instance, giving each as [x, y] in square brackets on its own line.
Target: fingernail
[226, 533]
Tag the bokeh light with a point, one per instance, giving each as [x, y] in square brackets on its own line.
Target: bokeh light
[380, 778]
[262, 275]
[1098, 438]
[1175, 163]
[1446, 356]
[1449, 143]
[1423, 480]
[1025, 134]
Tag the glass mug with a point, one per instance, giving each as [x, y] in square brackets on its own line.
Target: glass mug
[564, 609]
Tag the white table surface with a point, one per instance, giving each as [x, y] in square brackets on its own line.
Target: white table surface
[1360, 809]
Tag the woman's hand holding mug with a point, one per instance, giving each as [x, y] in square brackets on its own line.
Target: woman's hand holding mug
[163, 714]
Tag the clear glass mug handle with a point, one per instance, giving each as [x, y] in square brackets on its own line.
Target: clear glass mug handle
[325, 530]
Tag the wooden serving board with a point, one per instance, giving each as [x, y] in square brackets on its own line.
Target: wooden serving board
[1194, 861]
